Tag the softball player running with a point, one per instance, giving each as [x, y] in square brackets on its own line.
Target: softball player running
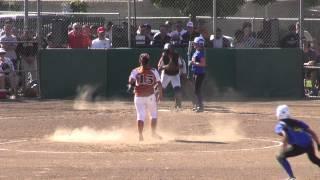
[148, 91]
[298, 135]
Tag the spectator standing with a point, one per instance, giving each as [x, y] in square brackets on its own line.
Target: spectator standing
[87, 34]
[140, 36]
[109, 31]
[76, 39]
[238, 39]
[169, 27]
[189, 35]
[160, 39]
[248, 40]
[291, 39]
[93, 32]
[176, 36]
[51, 43]
[219, 41]
[144, 35]
[148, 33]
[101, 42]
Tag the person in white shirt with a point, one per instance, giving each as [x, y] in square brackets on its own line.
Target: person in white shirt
[101, 42]
[7, 71]
[219, 40]
[9, 42]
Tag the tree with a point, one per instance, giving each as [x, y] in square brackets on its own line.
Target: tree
[78, 6]
[201, 7]
[306, 2]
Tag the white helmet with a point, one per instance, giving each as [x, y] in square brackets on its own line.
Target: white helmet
[199, 40]
[283, 112]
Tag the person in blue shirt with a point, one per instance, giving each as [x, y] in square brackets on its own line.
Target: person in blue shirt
[198, 63]
[298, 135]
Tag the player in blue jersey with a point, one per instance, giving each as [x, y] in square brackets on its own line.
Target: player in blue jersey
[298, 135]
[198, 63]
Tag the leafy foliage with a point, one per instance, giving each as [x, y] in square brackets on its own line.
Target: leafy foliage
[78, 6]
[201, 7]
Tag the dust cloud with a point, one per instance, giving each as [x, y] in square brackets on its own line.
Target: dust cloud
[90, 135]
[229, 131]
[86, 99]
[221, 131]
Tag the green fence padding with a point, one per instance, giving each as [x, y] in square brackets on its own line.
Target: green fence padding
[55, 75]
[246, 72]
[64, 72]
[221, 71]
[269, 72]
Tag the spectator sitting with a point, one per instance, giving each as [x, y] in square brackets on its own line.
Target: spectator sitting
[189, 35]
[161, 38]
[27, 50]
[291, 39]
[101, 42]
[9, 43]
[219, 41]
[76, 39]
[7, 72]
[310, 59]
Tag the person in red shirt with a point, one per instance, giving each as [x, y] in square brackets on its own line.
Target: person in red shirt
[145, 80]
[87, 33]
[76, 38]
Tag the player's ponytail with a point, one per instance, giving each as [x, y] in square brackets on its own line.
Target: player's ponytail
[144, 58]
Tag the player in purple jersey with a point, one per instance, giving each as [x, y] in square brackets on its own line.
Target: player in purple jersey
[298, 135]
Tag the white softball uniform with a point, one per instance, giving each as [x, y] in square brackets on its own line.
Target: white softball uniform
[145, 105]
[173, 79]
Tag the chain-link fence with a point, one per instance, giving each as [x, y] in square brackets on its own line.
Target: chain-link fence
[241, 23]
[245, 23]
